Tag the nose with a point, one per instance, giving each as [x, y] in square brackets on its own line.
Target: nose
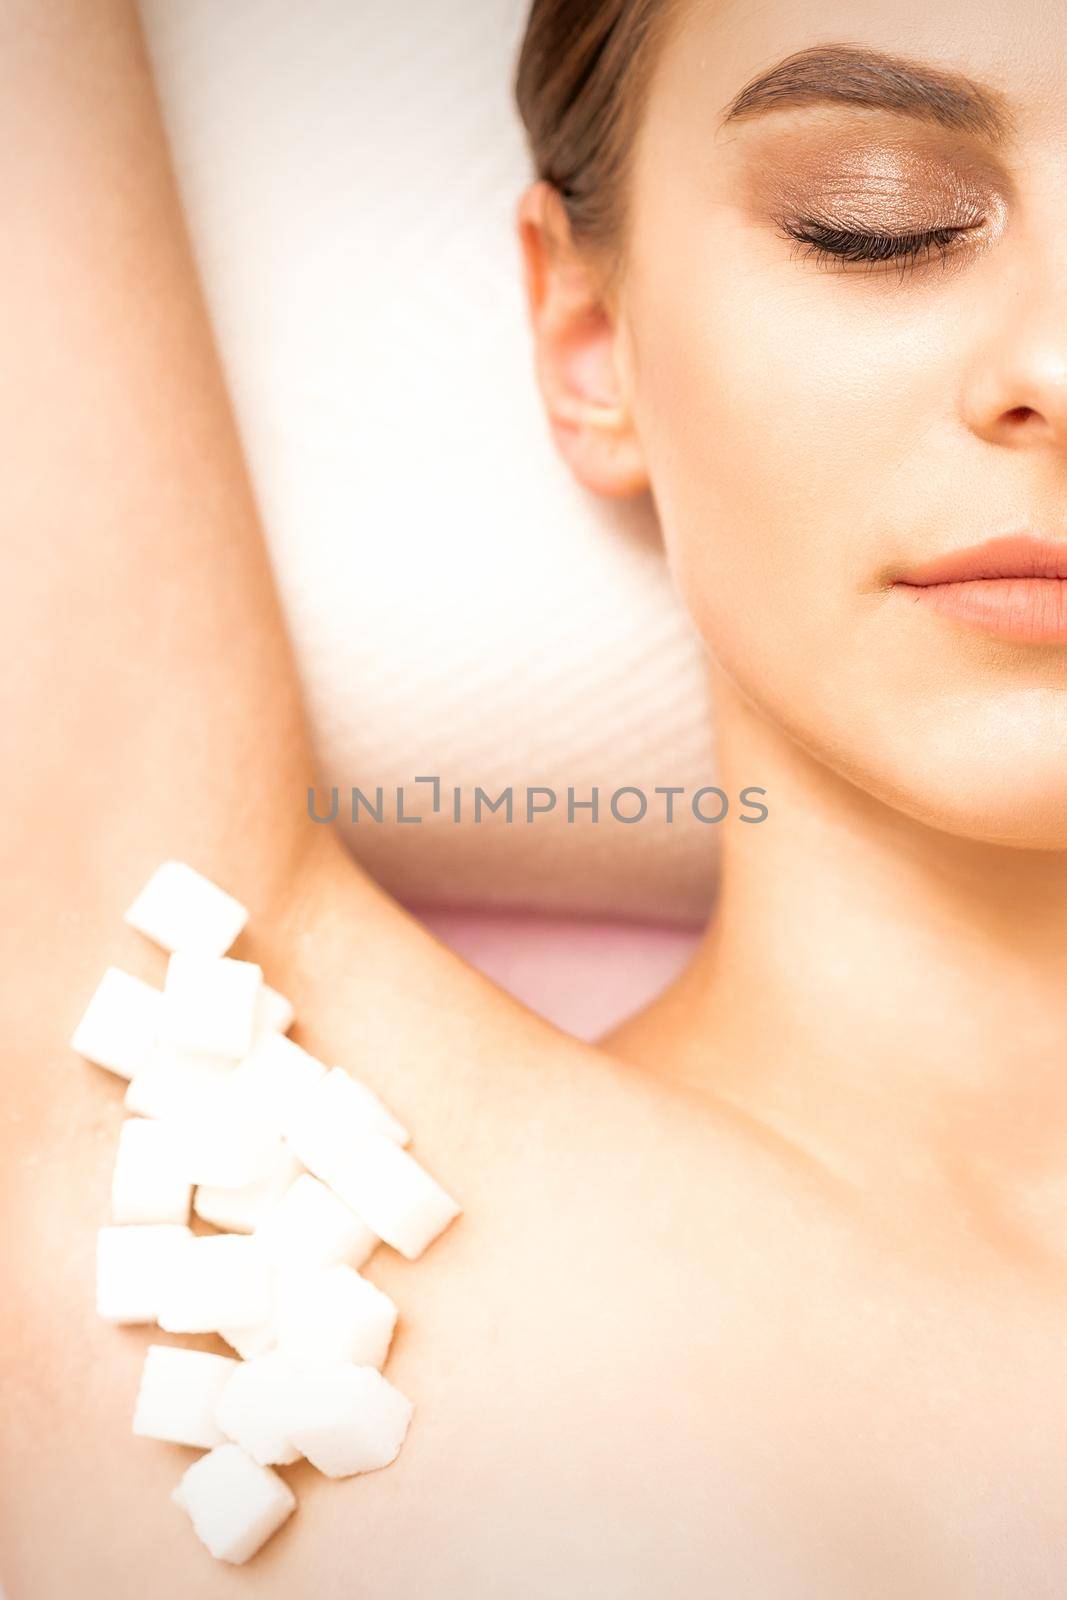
[1016, 391]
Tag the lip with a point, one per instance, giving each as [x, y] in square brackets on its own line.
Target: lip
[1013, 587]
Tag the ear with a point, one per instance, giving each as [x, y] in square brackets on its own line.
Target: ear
[576, 348]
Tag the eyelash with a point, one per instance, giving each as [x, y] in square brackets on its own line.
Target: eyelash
[847, 246]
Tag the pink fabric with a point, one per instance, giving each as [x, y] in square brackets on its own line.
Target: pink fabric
[581, 974]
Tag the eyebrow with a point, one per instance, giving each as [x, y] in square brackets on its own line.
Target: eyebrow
[846, 75]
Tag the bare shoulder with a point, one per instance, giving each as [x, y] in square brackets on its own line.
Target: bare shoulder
[581, 1347]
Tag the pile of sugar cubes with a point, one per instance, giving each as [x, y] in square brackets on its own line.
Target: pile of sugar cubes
[303, 1169]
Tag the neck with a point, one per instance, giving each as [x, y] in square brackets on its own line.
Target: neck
[888, 997]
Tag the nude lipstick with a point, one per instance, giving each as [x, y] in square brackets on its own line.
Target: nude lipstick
[1014, 588]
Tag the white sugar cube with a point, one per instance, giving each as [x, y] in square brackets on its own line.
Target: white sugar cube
[177, 1083]
[149, 1184]
[274, 1013]
[209, 1003]
[133, 1266]
[251, 1342]
[178, 1395]
[329, 1315]
[276, 1080]
[310, 1226]
[180, 909]
[256, 1408]
[240, 1209]
[333, 1119]
[234, 1503]
[224, 1151]
[387, 1187]
[216, 1282]
[349, 1419]
[353, 1103]
[119, 1026]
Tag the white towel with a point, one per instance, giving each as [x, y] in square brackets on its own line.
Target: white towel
[459, 606]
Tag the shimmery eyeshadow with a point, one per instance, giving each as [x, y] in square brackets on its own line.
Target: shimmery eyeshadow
[863, 179]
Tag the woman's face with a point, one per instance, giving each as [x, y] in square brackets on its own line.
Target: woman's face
[816, 424]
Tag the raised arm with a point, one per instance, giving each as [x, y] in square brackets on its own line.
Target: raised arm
[151, 710]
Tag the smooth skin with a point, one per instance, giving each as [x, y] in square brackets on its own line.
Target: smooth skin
[765, 1295]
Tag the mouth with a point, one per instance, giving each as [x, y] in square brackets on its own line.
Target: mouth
[1014, 588]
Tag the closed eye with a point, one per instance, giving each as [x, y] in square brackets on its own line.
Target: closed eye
[850, 246]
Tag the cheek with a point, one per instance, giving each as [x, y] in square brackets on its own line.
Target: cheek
[791, 421]
[786, 418]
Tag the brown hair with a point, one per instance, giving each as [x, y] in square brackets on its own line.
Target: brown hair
[581, 83]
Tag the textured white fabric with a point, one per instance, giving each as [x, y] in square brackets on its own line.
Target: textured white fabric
[459, 606]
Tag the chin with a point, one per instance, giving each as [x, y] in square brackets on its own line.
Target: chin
[1008, 796]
